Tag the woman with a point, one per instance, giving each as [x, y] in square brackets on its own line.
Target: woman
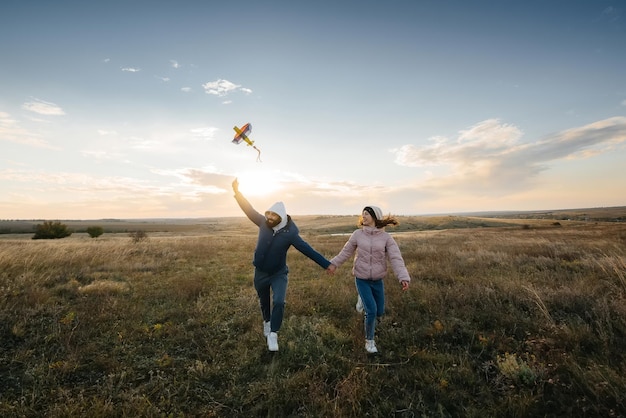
[373, 245]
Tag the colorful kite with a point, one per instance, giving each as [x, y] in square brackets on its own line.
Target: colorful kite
[242, 135]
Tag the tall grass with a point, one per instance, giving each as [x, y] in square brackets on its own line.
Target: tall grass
[508, 321]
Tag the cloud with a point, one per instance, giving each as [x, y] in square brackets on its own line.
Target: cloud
[273, 185]
[43, 108]
[204, 132]
[624, 102]
[194, 183]
[104, 155]
[131, 69]
[73, 188]
[185, 89]
[490, 155]
[483, 141]
[174, 64]
[11, 131]
[74, 182]
[611, 14]
[41, 193]
[139, 143]
[223, 87]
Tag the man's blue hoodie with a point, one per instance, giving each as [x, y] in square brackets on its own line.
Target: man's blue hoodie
[270, 255]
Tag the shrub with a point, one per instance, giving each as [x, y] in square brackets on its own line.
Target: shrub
[95, 231]
[138, 236]
[51, 230]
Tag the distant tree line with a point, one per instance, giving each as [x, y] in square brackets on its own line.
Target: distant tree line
[58, 230]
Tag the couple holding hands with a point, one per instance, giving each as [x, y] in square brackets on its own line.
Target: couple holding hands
[371, 244]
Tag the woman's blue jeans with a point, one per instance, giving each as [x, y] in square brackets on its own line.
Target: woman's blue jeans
[265, 284]
[372, 294]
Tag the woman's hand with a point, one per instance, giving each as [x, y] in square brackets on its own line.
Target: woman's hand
[331, 269]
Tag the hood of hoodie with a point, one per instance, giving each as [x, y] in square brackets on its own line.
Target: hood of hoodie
[279, 209]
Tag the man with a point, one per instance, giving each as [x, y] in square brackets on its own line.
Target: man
[277, 232]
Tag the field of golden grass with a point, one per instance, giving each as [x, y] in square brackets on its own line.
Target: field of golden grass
[504, 317]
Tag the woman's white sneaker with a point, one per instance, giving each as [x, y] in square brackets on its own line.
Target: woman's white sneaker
[370, 346]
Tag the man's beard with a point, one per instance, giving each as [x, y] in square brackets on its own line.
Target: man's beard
[272, 223]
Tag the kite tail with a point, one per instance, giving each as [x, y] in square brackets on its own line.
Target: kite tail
[258, 158]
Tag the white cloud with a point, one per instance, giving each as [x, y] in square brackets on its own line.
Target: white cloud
[276, 184]
[11, 131]
[611, 14]
[131, 69]
[490, 155]
[40, 193]
[490, 134]
[174, 64]
[43, 108]
[185, 89]
[73, 181]
[202, 181]
[223, 87]
[205, 132]
[100, 155]
[143, 144]
[482, 141]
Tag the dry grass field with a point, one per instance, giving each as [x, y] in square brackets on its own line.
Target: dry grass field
[505, 317]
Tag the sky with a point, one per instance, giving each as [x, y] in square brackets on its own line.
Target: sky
[125, 109]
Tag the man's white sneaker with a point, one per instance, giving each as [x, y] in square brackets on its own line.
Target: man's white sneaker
[267, 328]
[272, 341]
[370, 346]
[359, 305]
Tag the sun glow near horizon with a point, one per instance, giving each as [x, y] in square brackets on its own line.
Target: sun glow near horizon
[259, 183]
